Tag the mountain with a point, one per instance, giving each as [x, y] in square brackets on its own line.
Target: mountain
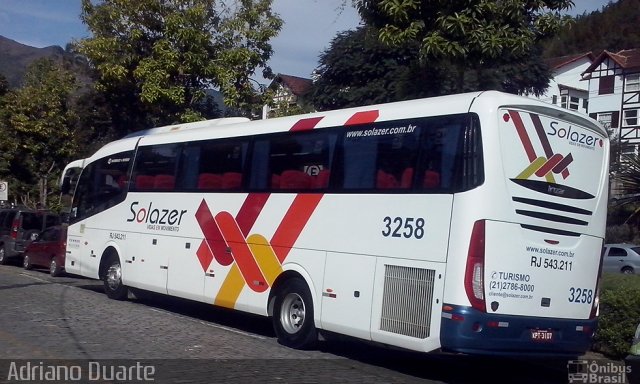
[16, 57]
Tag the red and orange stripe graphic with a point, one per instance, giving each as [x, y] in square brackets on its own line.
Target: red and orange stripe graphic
[255, 261]
[541, 166]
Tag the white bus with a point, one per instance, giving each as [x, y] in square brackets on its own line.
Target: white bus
[471, 223]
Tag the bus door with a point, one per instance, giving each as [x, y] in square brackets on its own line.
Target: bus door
[101, 186]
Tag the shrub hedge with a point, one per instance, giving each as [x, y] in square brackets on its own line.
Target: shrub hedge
[619, 314]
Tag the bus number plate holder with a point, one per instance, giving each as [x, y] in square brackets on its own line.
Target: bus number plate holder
[542, 335]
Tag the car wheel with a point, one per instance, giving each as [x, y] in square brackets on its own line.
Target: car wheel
[113, 286]
[55, 270]
[627, 270]
[26, 262]
[293, 315]
[3, 256]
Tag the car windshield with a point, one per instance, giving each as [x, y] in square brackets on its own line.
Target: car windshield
[51, 234]
[31, 221]
[636, 250]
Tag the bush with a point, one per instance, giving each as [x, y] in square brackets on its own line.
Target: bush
[623, 233]
[619, 314]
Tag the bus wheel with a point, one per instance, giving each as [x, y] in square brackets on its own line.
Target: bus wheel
[113, 286]
[293, 315]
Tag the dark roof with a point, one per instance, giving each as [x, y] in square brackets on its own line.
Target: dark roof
[557, 62]
[563, 86]
[628, 58]
[299, 86]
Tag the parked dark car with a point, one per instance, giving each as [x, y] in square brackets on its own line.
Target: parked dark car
[17, 228]
[48, 250]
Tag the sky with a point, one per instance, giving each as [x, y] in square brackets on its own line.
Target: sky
[309, 26]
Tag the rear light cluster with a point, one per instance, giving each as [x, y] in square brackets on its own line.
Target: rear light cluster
[474, 273]
[15, 225]
[596, 301]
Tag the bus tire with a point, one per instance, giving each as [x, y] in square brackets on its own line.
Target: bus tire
[293, 315]
[112, 279]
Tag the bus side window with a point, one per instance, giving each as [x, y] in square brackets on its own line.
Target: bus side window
[155, 167]
[219, 164]
[450, 154]
[386, 161]
[294, 162]
[359, 162]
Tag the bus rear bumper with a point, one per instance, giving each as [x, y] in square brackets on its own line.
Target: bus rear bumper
[468, 330]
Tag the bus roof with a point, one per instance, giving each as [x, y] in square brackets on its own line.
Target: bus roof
[434, 106]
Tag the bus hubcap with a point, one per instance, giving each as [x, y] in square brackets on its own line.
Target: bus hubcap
[292, 316]
[114, 275]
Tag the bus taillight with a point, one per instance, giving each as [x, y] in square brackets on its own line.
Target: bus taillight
[474, 273]
[596, 300]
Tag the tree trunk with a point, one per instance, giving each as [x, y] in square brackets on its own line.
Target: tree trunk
[42, 202]
[44, 187]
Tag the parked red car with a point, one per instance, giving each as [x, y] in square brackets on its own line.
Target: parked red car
[48, 250]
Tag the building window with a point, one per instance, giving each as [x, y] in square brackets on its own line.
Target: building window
[605, 119]
[630, 117]
[555, 99]
[570, 102]
[606, 85]
[632, 83]
[574, 103]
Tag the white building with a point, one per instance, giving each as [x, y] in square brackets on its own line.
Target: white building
[614, 94]
[565, 87]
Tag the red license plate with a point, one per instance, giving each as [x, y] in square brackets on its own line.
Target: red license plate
[542, 335]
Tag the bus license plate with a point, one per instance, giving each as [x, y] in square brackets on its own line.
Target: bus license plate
[541, 335]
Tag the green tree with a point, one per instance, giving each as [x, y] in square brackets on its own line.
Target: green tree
[625, 179]
[155, 58]
[4, 85]
[614, 28]
[358, 69]
[38, 131]
[468, 35]
[5, 157]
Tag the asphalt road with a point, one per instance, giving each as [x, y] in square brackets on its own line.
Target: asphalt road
[67, 326]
